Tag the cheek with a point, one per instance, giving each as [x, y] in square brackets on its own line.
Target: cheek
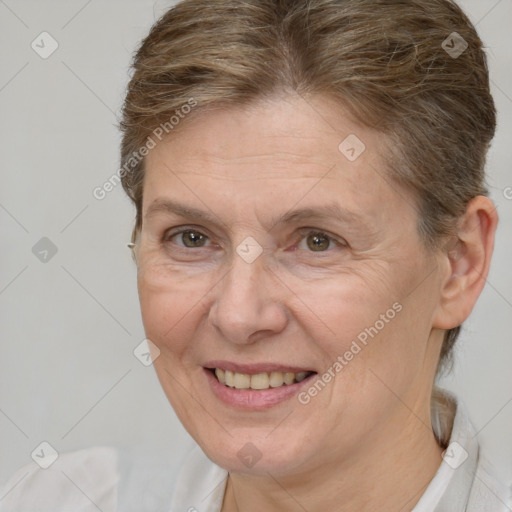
[171, 307]
[358, 304]
[362, 321]
[349, 305]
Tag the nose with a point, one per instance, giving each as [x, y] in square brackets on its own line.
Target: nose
[247, 304]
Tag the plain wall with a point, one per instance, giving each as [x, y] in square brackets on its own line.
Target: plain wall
[69, 325]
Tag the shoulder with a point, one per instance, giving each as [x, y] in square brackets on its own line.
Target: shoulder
[76, 480]
[474, 484]
[489, 492]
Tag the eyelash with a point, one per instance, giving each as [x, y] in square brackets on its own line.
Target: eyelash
[306, 232]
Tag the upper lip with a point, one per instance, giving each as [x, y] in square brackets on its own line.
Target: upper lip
[253, 368]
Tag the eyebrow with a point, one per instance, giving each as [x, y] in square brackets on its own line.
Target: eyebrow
[326, 211]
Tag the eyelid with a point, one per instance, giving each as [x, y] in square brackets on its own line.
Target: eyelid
[304, 231]
[172, 232]
[327, 234]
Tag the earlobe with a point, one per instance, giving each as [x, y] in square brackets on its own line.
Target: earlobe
[467, 261]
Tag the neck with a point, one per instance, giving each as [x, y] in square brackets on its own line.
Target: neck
[390, 473]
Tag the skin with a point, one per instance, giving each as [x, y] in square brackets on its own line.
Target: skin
[364, 442]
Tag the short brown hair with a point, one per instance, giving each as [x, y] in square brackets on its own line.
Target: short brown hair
[387, 61]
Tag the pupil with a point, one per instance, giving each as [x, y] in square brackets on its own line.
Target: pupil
[316, 244]
[194, 237]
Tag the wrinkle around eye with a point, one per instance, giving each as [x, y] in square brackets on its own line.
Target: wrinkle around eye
[335, 244]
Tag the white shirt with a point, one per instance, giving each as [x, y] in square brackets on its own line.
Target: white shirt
[465, 480]
[102, 478]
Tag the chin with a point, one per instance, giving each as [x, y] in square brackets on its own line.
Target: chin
[256, 455]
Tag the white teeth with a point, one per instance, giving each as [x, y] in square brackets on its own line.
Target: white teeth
[230, 378]
[242, 381]
[276, 379]
[220, 375]
[258, 380]
[289, 378]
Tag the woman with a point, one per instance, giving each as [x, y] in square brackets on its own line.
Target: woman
[312, 229]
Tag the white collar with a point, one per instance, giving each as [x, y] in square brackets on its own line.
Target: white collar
[201, 483]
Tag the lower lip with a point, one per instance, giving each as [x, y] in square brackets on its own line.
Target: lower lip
[254, 399]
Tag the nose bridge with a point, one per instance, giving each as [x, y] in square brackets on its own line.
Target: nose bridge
[247, 263]
[239, 290]
[243, 303]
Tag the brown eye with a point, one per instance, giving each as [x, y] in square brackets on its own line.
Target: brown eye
[196, 239]
[190, 238]
[318, 241]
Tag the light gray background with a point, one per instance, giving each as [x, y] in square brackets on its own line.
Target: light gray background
[69, 326]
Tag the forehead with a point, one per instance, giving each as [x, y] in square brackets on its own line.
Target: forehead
[278, 151]
[285, 127]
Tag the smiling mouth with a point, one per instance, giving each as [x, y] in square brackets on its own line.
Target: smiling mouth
[258, 381]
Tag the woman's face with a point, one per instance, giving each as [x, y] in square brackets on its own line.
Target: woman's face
[345, 289]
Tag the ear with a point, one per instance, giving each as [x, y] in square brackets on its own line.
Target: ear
[134, 244]
[467, 263]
